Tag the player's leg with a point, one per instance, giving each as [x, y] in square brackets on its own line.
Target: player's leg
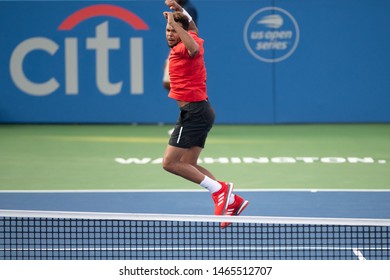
[172, 162]
[191, 156]
[185, 145]
[183, 162]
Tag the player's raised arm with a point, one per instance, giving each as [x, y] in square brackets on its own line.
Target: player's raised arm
[174, 6]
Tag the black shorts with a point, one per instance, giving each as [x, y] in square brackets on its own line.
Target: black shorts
[194, 123]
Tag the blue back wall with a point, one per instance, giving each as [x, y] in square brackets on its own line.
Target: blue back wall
[280, 61]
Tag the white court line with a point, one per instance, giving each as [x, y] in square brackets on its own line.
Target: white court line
[284, 249]
[358, 254]
[192, 248]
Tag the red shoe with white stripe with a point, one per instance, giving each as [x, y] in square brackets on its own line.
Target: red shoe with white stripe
[221, 198]
[235, 208]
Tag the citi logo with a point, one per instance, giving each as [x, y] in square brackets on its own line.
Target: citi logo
[101, 45]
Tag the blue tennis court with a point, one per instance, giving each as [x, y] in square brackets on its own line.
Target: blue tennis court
[331, 204]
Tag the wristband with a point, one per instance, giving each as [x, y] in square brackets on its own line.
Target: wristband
[187, 14]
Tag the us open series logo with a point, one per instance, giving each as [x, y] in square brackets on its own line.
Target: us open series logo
[271, 34]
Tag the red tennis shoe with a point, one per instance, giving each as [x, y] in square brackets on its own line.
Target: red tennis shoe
[235, 209]
[221, 198]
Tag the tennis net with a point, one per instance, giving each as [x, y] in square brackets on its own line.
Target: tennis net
[117, 236]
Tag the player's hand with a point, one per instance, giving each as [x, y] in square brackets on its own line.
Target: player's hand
[169, 17]
[173, 5]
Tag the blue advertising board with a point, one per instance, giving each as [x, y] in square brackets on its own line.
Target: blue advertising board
[267, 61]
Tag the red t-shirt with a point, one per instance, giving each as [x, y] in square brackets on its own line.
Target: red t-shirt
[187, 74]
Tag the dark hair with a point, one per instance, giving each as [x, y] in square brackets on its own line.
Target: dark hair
[181, 18]
[181, 2]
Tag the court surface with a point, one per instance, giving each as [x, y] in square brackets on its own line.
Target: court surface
[334, 204]
[291, 170]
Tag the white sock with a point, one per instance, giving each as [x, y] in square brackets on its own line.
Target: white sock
[210, 184]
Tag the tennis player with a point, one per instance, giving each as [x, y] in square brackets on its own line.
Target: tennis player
[188, 87]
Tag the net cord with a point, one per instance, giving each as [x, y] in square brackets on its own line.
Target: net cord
[194, 218]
